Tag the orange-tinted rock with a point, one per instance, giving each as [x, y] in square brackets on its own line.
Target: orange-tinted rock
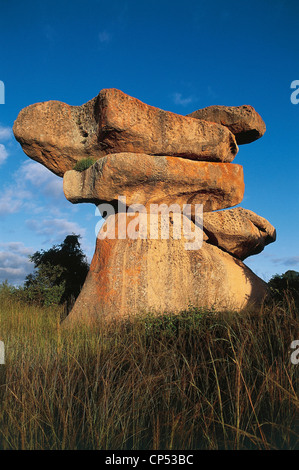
[153, 157]
[243, 121]
[127, 124]
[58, 135]
[238, 231]
[128, 277]
[51, 133]
[146, 180]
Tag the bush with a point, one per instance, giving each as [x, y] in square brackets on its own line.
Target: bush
[286, 284]
[59, 274]
[83, 164]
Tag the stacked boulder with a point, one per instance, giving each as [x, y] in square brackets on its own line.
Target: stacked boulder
[148, 156]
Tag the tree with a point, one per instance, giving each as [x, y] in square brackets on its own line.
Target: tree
[287, 283]
[59, 273]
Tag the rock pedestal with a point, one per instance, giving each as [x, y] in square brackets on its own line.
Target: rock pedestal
[158, 161]
[130, 276]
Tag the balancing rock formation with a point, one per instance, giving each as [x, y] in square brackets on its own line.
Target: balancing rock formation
[146, 156]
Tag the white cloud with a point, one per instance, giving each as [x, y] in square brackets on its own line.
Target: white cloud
[50, 185]
[13, 199]
[41, 182]
[33, 172]
[55, 229]
[40, 177]
[3, 154]
[14, 262]
[14, 276]
[10, 260]
[54, 189]
[5, 133]
[8, 203]
[288, 261]
[17, 247]
[178, 99]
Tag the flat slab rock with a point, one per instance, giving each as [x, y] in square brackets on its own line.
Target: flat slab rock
[238, 231]
[243, 121]
[145, 179]
[58, 135]
[128, 277]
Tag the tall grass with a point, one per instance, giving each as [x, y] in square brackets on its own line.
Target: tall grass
[200, 380]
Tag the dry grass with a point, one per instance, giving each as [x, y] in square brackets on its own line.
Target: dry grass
[203, 380]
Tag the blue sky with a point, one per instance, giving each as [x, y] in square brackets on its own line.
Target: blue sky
[177, 55]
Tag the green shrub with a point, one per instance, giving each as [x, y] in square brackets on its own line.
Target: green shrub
[59, 273]
[83, 164]
[287, 284]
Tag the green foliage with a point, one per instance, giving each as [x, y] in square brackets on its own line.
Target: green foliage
[285, 284]
[59, 273]
[83, 164]
[170, 326]
[6, 289]
[47, 285]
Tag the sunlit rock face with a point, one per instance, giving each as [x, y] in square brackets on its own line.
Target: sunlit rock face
[243, 121]
[148, 157]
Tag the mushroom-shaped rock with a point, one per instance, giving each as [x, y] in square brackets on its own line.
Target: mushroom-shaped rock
[238, 231]
[145, 179]
[58, 135]
[159, 162]
[243, 121]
